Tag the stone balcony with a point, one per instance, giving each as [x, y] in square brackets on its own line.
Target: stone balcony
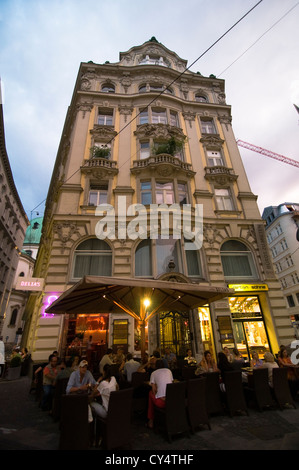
[99, 167]
[221, 175]
[163, 165]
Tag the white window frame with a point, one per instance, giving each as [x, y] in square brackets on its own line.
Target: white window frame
[224, 200]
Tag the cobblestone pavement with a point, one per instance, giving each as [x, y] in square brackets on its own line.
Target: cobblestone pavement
[24, 426]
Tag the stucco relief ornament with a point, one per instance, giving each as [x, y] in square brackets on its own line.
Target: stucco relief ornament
[164, 170]
[126, 82]
[85, 107]
[210, 234]
[126, 111]
[65, 230]
[189, 116]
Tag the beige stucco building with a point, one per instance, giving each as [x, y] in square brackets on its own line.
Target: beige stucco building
[13, 225]
[146, 130]
[282, 231]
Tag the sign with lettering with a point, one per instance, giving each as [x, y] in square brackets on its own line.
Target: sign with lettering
[248, 287]
[30, 283]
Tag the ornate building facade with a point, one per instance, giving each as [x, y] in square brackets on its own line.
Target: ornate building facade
[13, 225]
[146, 130]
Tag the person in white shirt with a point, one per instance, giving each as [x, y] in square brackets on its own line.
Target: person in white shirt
[129, 367]
[107, 384]
[158, 381]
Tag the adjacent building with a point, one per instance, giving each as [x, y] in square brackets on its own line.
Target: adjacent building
[146, 130]
[13, 325]
[13, 225]
[282, 229]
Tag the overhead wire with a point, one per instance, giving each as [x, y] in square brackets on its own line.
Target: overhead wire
[171, 83]
[258, 39]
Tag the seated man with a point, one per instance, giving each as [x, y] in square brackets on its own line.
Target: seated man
[158, 381]
[129, 367]
[80, 380]
[106, 359]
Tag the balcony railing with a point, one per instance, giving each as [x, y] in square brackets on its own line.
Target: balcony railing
[163, 161]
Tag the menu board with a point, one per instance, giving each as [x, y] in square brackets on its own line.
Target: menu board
[120, 332]
[225, 330]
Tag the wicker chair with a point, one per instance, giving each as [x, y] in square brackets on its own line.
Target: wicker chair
[60, 389]
[235, 398]
[115, 429]
[174, 416]
[281, 388]
[213, 394]
[197, 403]
[75, 430]
[258, 388]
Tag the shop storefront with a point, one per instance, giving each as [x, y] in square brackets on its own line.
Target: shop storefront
[248, 325]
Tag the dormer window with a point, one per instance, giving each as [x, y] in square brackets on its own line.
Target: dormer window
[154, 60]
[201, 98]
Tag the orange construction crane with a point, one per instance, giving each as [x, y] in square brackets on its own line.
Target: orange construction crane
[268, 153]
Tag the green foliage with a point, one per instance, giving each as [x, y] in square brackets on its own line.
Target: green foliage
[100, 152]
[16, 361]
[171, 147]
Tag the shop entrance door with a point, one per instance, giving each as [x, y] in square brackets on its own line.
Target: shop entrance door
[175, 332]
[248, 326]
[251, 336]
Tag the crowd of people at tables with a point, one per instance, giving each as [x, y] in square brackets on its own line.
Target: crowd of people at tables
[160, 371]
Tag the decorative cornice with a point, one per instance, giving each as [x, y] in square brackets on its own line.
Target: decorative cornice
[212, 142]
[103, 133]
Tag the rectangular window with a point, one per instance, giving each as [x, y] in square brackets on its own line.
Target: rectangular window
[290, 300]
[105, 117]
[144, 150]
[146, 192]
[174, 119]
[224, 200]
[143, 116]
[164, 193]
[159, 116]
[214, 158]
[207, 126]
[183, 193]
[98, 194]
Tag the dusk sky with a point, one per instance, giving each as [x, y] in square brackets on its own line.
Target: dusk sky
[43, 42]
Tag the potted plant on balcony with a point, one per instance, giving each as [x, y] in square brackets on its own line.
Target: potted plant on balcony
[172, 147]
[100, 152]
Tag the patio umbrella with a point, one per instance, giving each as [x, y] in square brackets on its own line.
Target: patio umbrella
[139, 298]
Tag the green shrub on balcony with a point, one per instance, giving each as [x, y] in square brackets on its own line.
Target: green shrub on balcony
[171, 147]
[100, 152]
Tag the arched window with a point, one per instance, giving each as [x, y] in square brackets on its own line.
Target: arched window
[201, 98]
[92, 257]
[13, 318]
[143, 259]
[237, 260]
[160, 256]
[108, 88]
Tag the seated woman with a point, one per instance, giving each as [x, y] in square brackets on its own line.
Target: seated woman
[270, 364]
[285, 361]
[106, 385]
[256, 361]
[207, 364]
[238, 360]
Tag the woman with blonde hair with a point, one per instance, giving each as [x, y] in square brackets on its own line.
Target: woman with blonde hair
[270, 364]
